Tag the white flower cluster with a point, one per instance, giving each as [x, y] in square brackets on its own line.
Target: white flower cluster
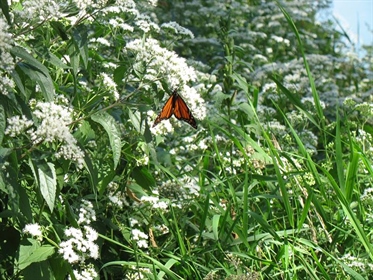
[142, 149]
[153, 2]
[17, 125]
[177, 29]
[162, 229]
[140, 237]
[184, 191]
[110, 85]
[356, 263]
[86, 213]
[119, 23]
[117, 198]
[34, 230]
[5, 37]
[86, 273]
[145, 23]
[367, 195]
[166, 65]
[154, 201]
[39, 10]
[52, 122]
[6, 60]
[138, 273]
[84, 4]
[161, 62]
[80, 245]
[5, 83]
[126, 6]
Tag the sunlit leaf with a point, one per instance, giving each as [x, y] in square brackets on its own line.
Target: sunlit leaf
[32, 252]
[35, 71]
[113, 131]
[48, 183]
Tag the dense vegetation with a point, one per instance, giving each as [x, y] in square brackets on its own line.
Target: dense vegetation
[275, 183]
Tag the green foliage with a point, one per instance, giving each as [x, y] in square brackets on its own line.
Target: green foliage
[274, 184]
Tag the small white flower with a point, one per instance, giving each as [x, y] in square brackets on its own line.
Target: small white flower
[5, 83]
[68, 253]
[153, 2]
[150, 199]
[86, 273]
[163, 229]
[160, 205]
[52, 125]
[34, 230]
[133, 222]
[87, 214]
[38, 11]
[80, 245]
[177, 29]
[91, 234]
[103, 41]
[17, 125]
[142, 243]
[140, 237]
[145, 23]
[138, 234]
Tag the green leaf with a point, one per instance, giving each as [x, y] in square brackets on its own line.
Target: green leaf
[56, 61]
[70, 216]
[135, 119]
[139, 69]
[143, 177]
[113, 131]
[19, 82]
[84, 133]
[215, 226]
[48, 183]
[60, 29]
[81, 43]
[40, 271]
[339, 152]
[119, 73]
[247, 109]
[5, 9]
[24, 202]
[353, 219]
[13, 188]
[342, 264]
[315, 95]
[266, 227]
[92, 171]
[242, 83]
[294, 99]
[59, 266]
[33, 252]
[2, 184]
[18, 200]
[74, 60]
[35, 71]
[351, 175]
[2, 123]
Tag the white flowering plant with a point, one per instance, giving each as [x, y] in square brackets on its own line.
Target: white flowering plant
[272, 180]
